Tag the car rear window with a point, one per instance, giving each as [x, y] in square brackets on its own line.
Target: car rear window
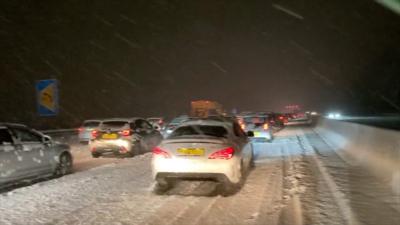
[5, 136]
[91, 124]
[113, 124]
[198, 130]
[255, 119]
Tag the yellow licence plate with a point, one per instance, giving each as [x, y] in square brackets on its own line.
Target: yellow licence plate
[109, 136]
[191, 151]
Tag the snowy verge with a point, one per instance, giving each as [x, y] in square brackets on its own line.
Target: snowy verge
[376, 149]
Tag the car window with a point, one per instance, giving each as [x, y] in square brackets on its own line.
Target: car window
[255, 119]
[91, 124]
[142, 124]
[24, 135]
[215, 131]
[113, 124]
[5, 137]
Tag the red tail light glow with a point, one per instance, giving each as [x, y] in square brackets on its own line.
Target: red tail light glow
[281, 118]
[95, 133]
[226, 153]
[265, 127]
[159, 152]
[243, 126]
[80, 129]
[125, 133]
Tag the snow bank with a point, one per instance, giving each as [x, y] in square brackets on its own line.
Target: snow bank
[376, 149]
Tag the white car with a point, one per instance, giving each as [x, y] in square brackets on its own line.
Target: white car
[203, 149]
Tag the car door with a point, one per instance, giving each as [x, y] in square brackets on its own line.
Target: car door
[149, 136]
[33, 151]
[243, 143]
[10, 161]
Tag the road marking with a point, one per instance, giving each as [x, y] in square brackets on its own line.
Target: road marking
[344, 207]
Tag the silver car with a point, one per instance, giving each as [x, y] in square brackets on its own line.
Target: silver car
[203, 149]
[259, 125]
[124, 137]
[85, 131]
[27, 154]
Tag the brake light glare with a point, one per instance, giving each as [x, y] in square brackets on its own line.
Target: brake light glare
[95, 133]
[243, 126]
[265, 127]
[226, 153]
[80, 129]
[157, 151]
[125, 133]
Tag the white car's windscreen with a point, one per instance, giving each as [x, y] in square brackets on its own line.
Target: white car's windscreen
[200, 130]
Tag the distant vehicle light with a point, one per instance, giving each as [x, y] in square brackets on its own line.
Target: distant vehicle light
[80, 129]
[169, 131]
[314, 113]
[334, 115]
[243, 126]
[265, 127]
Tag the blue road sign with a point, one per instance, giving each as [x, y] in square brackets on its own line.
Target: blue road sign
[47, 97]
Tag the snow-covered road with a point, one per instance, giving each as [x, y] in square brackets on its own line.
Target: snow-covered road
[297, 179]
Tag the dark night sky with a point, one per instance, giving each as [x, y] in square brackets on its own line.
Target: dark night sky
[128, 58]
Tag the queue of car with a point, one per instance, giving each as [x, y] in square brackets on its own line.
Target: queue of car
[217, 147]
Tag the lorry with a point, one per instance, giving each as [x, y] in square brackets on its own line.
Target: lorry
[205, 108]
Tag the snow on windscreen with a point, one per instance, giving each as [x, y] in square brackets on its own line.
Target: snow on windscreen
[197, 130]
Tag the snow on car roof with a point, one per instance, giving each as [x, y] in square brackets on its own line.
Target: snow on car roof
[207, 122]
[121, 119]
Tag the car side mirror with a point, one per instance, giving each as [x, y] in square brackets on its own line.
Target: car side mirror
[47, 140]
[250, 134]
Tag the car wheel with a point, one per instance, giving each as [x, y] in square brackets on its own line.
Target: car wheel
[161, 187]
[64, 165]
[135, 151]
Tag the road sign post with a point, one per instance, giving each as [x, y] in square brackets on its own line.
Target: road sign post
[47, 97]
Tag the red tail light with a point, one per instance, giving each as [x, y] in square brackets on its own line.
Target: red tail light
[159, 152]
[125, 133]
[80, 129]
[265, 127]
[226, 153]
[95, 133]
[243, 126]
[281, 118]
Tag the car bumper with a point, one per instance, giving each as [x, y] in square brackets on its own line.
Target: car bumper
[217, 169]
[116, 147]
